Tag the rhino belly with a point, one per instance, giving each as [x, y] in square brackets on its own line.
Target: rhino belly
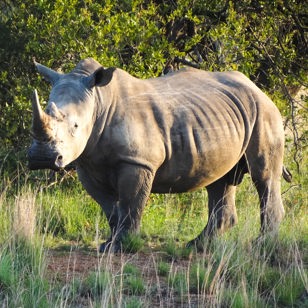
[190, 171]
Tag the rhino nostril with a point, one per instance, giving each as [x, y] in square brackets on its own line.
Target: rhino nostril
[59, 161]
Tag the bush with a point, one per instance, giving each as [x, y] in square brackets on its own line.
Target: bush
[265, 41]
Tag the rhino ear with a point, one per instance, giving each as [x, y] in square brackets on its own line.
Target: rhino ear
[101, 77]
[49, 74]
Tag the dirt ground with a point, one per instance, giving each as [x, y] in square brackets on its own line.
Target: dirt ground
[64, 266]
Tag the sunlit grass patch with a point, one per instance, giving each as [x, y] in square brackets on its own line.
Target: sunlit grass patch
[132, 243]
[163, 268]
[22, 273]
[96, 283]
[71, 214]
[175, 216]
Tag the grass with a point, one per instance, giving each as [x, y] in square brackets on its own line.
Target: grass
[163, 268]
[235, 270]
[132, 243]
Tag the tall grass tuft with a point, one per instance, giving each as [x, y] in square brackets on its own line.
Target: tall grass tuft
[22, 263]
[24, 216]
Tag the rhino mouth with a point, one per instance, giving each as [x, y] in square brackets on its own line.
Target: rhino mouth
[36, 164]
[38, 159]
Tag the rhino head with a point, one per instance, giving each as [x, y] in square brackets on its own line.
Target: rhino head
[60, 134]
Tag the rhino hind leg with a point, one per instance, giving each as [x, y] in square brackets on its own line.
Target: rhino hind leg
[265, 164]
[222, 211]
[221, 203]
[272, 211]
[267, 182]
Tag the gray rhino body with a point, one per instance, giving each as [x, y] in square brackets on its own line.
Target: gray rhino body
[176, 133]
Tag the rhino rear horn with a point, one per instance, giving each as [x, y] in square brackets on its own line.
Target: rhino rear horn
[40, 119]
[56, 112]
[48, 74]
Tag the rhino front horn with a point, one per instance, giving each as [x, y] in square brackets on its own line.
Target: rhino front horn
[40, 118]
[36, 107]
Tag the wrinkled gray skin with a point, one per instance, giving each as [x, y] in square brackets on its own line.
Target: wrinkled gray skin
[176, 133]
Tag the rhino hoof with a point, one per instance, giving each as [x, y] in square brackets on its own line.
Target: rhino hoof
[197, 244]
[110, 247]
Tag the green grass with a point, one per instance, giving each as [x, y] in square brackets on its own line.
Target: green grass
[96, 283]
[163, 268]
[132, 243]
[235, 270]
[22, 280]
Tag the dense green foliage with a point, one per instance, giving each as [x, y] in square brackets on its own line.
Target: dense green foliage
[264, 39]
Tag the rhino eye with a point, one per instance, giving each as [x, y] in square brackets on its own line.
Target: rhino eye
[73, 129]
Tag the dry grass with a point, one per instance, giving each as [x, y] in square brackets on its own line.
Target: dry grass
[24, 217]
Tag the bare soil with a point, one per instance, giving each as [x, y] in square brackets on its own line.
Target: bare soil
[64, 266]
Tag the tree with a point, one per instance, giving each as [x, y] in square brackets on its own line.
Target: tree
[266, 40]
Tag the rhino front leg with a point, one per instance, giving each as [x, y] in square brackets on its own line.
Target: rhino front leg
[134, 188]
[109, 205]
[222, 211]
[110, 208]
[108, 202]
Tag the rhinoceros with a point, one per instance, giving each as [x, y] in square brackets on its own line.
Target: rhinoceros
[175, 133]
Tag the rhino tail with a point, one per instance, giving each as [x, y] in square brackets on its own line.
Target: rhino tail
[286, 174]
